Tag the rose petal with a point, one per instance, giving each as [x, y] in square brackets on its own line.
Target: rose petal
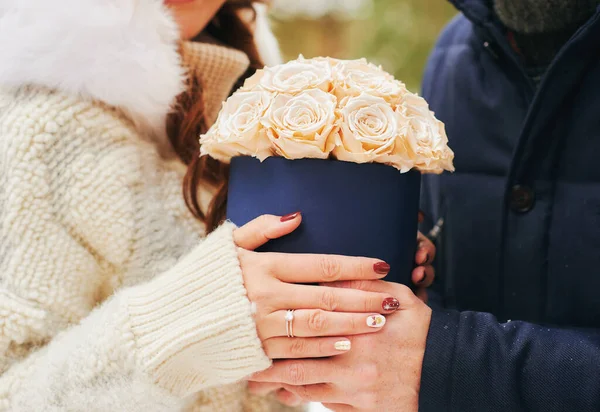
[304, 125]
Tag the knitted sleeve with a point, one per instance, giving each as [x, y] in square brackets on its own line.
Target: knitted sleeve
[63, 344]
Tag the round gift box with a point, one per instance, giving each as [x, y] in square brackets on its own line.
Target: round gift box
[347, 208]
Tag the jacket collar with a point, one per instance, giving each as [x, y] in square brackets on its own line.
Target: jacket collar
[124, 53]
[478, 11]
[112, 51]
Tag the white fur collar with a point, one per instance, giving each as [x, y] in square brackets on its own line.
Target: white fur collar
[121, 52]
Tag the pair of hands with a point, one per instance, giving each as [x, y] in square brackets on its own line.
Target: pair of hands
[383, 367]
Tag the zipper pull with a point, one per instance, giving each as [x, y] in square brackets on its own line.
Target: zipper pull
[489, 47]
[434, 233]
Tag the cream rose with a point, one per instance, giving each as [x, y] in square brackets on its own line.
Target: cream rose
[251, 83]
[238, 130]
[425, 136]
[293, 77]
[369, 133]
[324, 107]
[358, 76]
[329, 60]
[304, 125]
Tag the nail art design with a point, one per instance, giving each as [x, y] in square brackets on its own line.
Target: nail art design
[343, 345]
[390, 304]
[375, 321]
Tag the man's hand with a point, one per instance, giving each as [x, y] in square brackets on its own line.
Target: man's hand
[423, 274]
[380, 372]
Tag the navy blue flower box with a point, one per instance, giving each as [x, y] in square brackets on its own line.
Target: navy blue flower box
[347, 208]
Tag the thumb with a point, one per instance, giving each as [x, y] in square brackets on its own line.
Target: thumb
[263, 388]
[289, 398]
[264, 228]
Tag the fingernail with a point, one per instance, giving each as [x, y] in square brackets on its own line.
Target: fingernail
[381, 268]
[343, 345]
[375, 321]
[390, 304]
[289, 217]
[424, 277]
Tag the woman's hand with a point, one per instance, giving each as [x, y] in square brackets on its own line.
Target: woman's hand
[381, 373]
[422, 276]
[276, 282]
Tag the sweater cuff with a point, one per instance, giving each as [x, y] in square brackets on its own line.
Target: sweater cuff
[193, 325]
[436, 376]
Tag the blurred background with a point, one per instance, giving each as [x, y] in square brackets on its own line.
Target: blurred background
[398, 34]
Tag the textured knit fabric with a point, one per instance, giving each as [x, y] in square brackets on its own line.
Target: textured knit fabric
[216, 73]
[519, 261]
[110, 297]
[541, 27]
[543, 16]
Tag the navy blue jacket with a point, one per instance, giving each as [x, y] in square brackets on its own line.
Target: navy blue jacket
[519, 255]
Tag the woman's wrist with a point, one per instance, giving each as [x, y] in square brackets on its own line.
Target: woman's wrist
[193, 325]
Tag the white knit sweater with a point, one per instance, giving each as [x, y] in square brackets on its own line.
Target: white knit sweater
[109, 298]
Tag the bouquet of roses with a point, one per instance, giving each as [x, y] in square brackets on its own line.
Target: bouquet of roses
[322, 108]
[333, 133]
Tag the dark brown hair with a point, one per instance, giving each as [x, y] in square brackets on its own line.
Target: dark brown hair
[188, 121]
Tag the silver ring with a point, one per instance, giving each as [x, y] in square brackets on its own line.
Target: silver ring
[289, 323]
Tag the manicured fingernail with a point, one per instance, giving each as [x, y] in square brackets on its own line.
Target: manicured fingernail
[424, 277]
[343, 345]
[381, 268]
[289, 217]
[390, 304]
[376, 321]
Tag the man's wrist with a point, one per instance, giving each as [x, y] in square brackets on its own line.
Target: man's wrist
[436, 374]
